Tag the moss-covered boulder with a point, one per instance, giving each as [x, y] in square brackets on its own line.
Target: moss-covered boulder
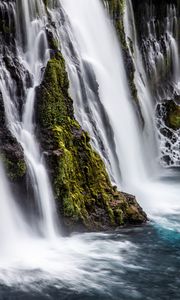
[84, 195]
[172, 114]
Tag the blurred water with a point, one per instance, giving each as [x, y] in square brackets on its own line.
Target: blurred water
[137, 263]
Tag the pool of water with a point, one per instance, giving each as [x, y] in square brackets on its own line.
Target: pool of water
[134, 263]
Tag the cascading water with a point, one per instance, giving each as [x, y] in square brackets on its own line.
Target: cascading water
[33, 55]
[106, 63]
[97, 47]
[104, 266]
[160, 48]
[11, 219]
[30, 259]
[89, 110]
[144, 93]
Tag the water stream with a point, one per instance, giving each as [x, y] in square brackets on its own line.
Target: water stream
[33, 54]
[36, 262]
[137, 150]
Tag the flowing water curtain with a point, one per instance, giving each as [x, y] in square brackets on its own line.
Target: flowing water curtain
[30, 53]
[137, 176]
[163, 58]
[159, 39]
[107, 65]
[89, 110]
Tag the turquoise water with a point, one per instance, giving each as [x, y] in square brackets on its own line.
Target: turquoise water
[145, 265]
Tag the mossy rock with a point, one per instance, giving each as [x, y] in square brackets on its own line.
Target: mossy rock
[15, 169]
[84, 195]
[11, 153]
[172, 118]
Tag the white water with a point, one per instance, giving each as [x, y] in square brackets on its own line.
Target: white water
[172, 35]
[97, 44]
[33, 56]
[158, 60]
[145, 97]
[12, 224]
[68, 259]
[27, 259]
[162, 53]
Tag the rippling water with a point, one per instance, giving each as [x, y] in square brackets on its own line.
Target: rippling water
[135, 263]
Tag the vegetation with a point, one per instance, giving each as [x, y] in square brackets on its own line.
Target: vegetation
[83, 192]
[172, 118]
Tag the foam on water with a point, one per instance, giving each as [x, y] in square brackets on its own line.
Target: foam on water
[80, 262]
[89, 261]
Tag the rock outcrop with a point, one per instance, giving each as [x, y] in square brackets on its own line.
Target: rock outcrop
[85, 197]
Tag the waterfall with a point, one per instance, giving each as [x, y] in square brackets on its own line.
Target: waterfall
[161, 57]
[33, 255]
[160, 48]
[96, 53]
[145, 96]
[33, 54]
[11, 219]
[98, 50]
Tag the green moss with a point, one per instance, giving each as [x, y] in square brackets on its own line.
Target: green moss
[173, 115]
[14, 169]
[80, 174]
[119, 216]
[174, 119]
[54, 108]
[82, 188]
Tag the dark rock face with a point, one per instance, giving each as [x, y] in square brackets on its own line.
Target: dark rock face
[12, 156]
[11, 152]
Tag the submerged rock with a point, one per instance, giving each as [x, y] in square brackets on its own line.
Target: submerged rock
[85, 197]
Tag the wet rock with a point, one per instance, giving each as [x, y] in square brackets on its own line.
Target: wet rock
[10, 151]
[172, 114]
[85, 198]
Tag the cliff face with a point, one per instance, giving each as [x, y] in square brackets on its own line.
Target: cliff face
[85, 197]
